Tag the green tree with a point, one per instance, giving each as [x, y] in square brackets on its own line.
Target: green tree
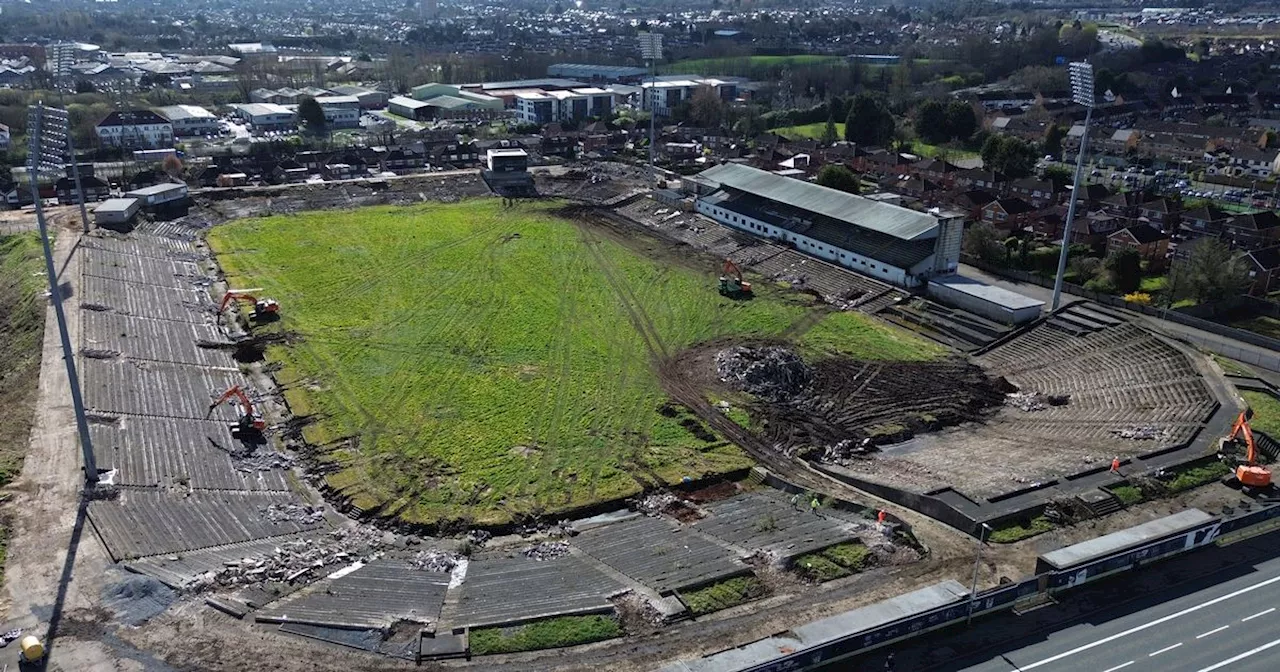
[311, 115]
[931, 122]
[1053, 140]
[836, 176]
[1125, 270]
[706, 108]
[1211, 274]
[961, 122]
[1009, 155]
[829, 133]
[870, 122]
[983, 241]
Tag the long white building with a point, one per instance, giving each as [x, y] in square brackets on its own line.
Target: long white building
[888, 242]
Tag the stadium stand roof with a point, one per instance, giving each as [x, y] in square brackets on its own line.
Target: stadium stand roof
[880, 217]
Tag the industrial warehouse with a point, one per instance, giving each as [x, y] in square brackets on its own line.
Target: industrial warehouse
[887, 242]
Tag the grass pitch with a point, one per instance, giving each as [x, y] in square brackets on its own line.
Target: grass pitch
[469, 362]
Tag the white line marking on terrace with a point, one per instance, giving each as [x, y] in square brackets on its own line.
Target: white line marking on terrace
[1119, 667]
[1260, 613]
[1211, 632]
[1237, 658]
[1151, 624]
[1167, 648]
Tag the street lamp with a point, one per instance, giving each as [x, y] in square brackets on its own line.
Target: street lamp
[977, 562]
[651, 50]
[48, 147]
[1081, 94]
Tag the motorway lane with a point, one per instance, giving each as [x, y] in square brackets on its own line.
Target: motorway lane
[1232, 626]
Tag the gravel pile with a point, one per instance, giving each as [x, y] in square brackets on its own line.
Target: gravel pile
[547, 550]
[773, 372]
[1142, 433]
[1031, 402]
[432, 560]
[137, 598]
[292, 513]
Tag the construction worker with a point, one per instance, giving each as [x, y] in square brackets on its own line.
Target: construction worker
[813, 505]
[888, 662]
[1115, 465]
[795, 501]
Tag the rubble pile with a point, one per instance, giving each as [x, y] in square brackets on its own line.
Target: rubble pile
[298, 559]
[772, 372]
[265, 460]
[433, 560]
[292, 513]
[546, 550]
[1030, 402]
[1142, 433]
[847, 449]
[653, 503]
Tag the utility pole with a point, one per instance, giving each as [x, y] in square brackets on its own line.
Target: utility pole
[977, 562]
[48, 129]
[1082, 94]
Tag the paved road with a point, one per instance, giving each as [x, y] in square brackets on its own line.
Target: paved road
[1232, 626]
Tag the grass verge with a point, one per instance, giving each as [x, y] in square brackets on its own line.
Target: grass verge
[1267, 326]
[809, 131]
[473, 363]
[722, 595]
[1266, 412]
[22, 312]
[1127, 494]
[1020, 530]
[552, 633]
[1189, 477]
[834, 562]
[1232, 367]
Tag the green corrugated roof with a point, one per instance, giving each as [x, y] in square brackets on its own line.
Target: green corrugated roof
[885, 218]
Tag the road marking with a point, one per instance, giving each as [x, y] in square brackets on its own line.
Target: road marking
[1152, 624]
[1260, 613]
[1213, 631]
[1237, 658]
[1167, 648]
[1119, 667]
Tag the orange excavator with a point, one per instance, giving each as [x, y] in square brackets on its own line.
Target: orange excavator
[261, 307]
[731, 282]
[1250, 474]
[250, 419]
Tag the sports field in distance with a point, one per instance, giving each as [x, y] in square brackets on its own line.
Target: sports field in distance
[470, 363]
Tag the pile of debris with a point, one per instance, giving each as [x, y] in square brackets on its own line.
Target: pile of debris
[1142, 433]
[433, 560]
[654, 503]
[848, 449]
[546, 550]
[298, 560]
[772, 372]
[300, 514]
[264, 460]
[1035, 401]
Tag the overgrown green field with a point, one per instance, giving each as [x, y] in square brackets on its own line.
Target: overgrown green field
[1266, 412]
[22, 312]
[744, 65]
[722, 595]
[469, 362]
[552, 633]
[809, 131]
